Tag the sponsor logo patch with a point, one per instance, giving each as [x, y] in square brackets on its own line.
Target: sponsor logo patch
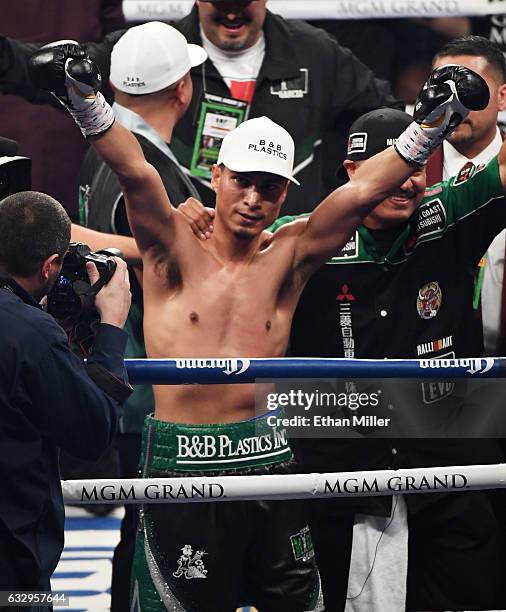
[465, 173]
[434, 346]
[302, 545]
[133, 82]
[267, 147]
[190, 564]
[428, 301]
[344, 300]
[345, 295]
[191, 449]
[437, 390]
[349, 250]
[292, 88]
[357, 142]
[431, 218]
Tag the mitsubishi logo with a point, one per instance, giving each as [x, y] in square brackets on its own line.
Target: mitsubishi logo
[345, 295]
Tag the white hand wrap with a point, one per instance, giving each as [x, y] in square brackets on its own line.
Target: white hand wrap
[90, 109]
[94, 117]
[416, 144]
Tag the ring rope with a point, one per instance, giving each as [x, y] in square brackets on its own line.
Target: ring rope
[208, 370]
[142, 10]
[292, 486]
[285, 486]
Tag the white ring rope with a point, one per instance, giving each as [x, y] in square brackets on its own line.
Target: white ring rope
[291, 486]
[144, 10]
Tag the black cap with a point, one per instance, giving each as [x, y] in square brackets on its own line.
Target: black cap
[375, 131]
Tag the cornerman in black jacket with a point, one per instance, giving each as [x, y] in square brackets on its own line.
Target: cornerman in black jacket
[48, 398]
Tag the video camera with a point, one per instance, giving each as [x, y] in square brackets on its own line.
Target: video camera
[71, 301]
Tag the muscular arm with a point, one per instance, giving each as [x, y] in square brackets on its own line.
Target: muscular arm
[333, 221]
[148, 206]
[100, 240]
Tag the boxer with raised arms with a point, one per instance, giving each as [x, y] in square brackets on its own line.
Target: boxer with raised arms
[233, 296]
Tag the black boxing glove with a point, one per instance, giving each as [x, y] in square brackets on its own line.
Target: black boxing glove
[64, 69]
[46, 67]
[443, 103]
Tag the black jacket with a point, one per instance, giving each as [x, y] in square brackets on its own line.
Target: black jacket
[369, 302]
[328, 86]
[334, 88]
[47, 402]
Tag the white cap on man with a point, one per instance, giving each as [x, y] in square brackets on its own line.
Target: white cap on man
[151, 57]
[259, 145]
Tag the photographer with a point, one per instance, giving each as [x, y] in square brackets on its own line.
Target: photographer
[48, 398]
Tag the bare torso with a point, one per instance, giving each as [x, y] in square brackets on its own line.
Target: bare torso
[198, 306]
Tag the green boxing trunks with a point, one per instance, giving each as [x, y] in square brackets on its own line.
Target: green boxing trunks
[218, 556]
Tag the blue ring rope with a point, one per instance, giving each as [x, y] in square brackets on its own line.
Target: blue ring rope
[241, 370]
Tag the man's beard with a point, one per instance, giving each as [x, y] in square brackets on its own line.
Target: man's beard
[233, 45]
[462, 136]
[244, 235]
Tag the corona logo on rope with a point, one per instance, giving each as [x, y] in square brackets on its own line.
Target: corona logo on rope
[472, 366]
[229, 366]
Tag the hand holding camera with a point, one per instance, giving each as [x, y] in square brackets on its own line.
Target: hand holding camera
[91, 288]
[114, 298]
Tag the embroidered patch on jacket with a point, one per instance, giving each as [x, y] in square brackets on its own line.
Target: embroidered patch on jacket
[429, 299]
[431, 218]
[302, 545]
[292, 88]
[465, 173]
[349, 250]
[190, 564]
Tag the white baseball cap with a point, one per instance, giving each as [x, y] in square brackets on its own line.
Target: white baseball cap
[152, 56]
[259, 145]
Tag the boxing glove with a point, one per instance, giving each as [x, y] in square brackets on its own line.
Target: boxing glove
[443, 103]
[66, 71]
